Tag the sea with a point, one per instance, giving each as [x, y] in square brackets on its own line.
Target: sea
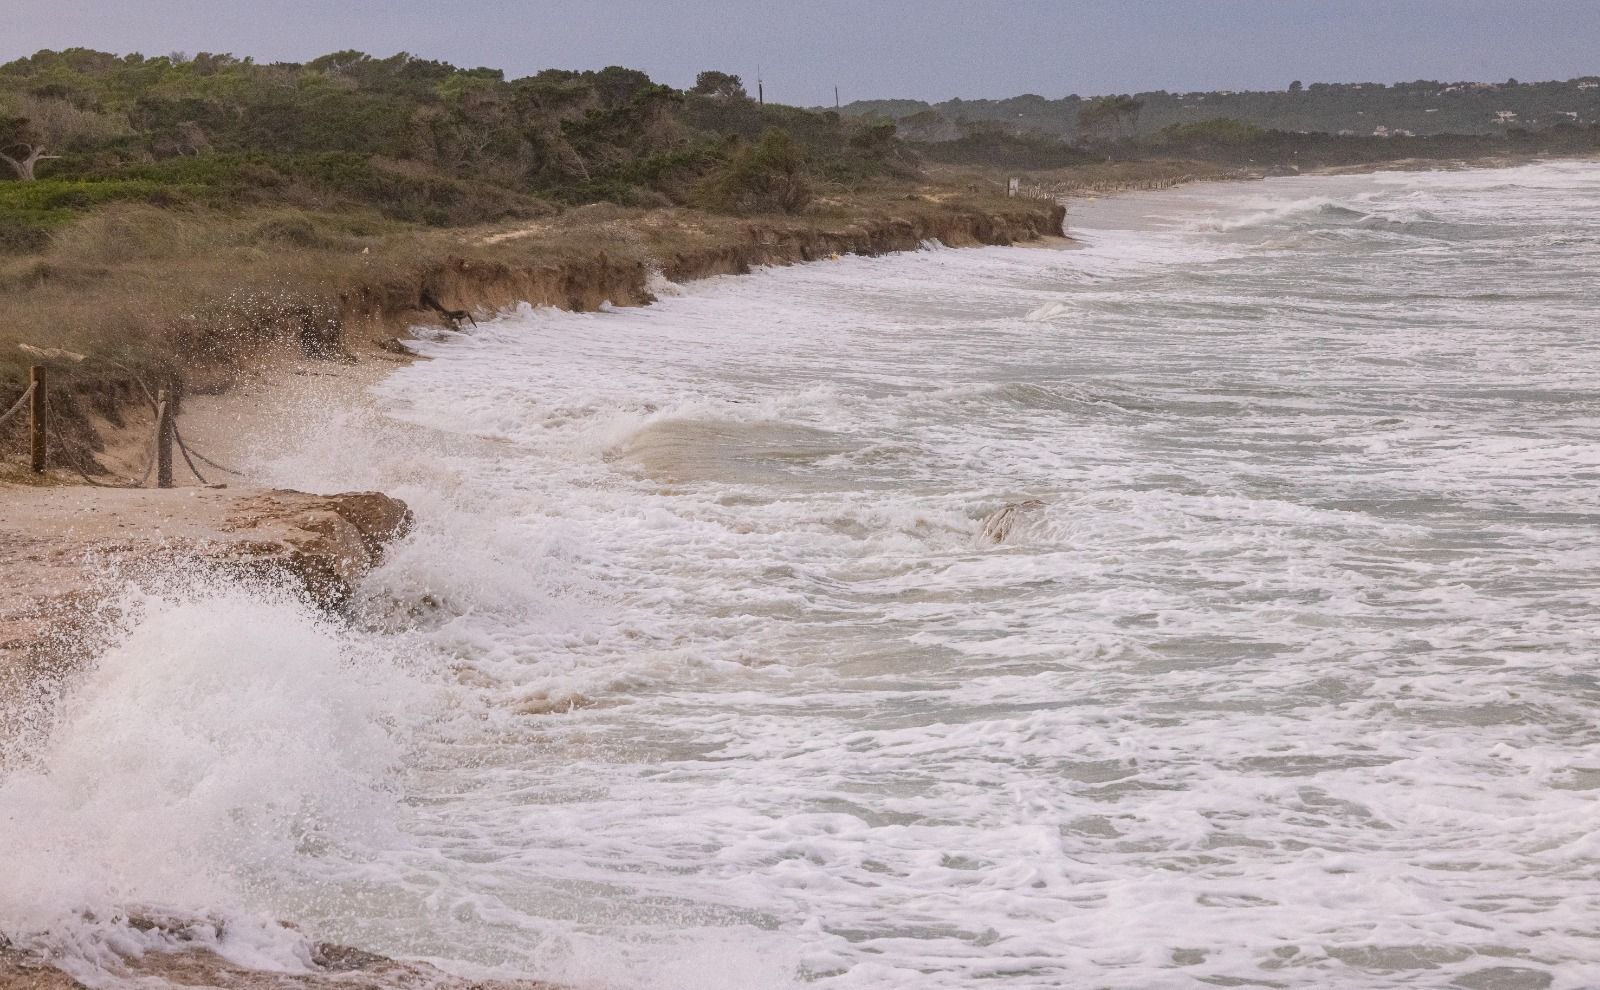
[1215, 603]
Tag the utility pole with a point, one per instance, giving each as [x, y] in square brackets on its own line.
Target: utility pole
[836, 97]
[761, 93]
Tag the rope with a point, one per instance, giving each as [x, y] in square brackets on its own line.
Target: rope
[150, 398]
[155, 444]
[17, 406]
[98, 484]
[76, 466]
[186, 458]
[196, 453]
[149, 465]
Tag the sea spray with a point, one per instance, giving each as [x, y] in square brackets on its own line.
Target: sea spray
[229, 742]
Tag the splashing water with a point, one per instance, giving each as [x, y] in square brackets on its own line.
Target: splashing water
[710, 665]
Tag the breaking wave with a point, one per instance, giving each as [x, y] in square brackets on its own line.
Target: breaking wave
[1212, 604]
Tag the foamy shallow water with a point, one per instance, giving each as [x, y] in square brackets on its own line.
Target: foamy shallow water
[698, 671]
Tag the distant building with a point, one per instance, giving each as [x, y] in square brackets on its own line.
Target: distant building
[1505, 117]
[1589, 85]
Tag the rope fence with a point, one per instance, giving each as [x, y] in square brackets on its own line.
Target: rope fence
[158, 453]
[16, 407]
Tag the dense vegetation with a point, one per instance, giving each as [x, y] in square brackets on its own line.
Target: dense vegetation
[414, 139]
[1352, 109]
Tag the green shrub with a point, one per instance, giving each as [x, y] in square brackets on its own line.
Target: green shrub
[31, 211]
[67, 195]
[769, 176]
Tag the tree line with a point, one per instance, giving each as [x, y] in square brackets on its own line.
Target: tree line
[419, 139]
[1420, 107]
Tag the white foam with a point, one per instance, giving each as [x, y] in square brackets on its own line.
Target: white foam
[1286, 679]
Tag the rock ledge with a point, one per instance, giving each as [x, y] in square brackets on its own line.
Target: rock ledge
[56, 542]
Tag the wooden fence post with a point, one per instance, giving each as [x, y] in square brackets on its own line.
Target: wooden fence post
[163, 439]
[39, 411]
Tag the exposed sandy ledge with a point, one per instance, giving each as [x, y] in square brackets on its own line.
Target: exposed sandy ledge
[486, 288]
[57, 542]
[51, 535]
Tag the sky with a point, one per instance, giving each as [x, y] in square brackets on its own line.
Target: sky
[873, 49]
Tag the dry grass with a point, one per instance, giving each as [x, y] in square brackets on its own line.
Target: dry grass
[158, 288]
[146, 286]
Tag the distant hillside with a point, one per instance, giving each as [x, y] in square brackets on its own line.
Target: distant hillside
[1423, 107]
[414, 139]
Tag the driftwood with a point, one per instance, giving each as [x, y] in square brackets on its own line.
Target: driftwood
[455, 316]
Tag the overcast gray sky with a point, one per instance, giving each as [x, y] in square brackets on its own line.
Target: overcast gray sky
[932, 49]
